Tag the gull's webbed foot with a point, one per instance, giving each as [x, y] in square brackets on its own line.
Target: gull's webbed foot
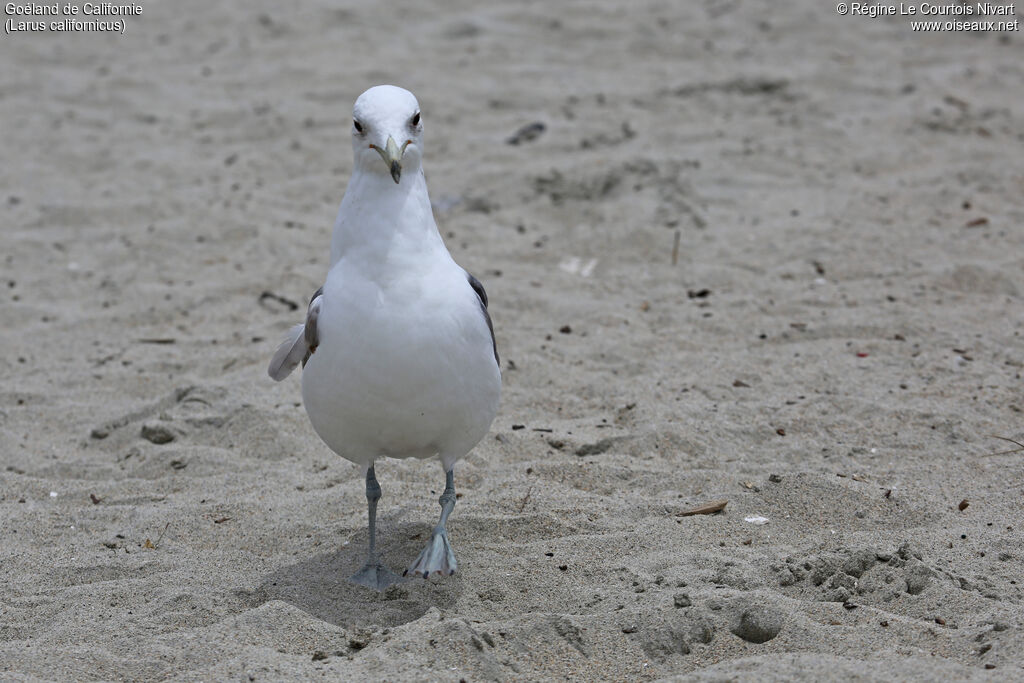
[436, 558]
[375, 576]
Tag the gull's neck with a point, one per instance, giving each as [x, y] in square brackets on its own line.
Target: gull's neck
[381, 222]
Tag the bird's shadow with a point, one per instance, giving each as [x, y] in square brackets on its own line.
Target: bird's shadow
[319, 585]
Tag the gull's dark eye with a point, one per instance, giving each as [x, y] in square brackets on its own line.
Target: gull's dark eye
[359, 126]
[415, 120]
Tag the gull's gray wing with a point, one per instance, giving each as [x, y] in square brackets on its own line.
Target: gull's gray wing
[299, 344]
[482, 296]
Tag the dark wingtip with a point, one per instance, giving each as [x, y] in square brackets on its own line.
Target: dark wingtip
[396, 171]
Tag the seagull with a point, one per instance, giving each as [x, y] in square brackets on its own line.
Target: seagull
[397, 351]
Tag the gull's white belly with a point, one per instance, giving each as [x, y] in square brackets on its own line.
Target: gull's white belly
[404, 372]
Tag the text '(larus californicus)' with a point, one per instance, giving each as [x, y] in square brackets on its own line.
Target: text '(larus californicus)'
[398, 351]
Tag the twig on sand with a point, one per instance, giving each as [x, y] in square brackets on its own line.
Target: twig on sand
[1020, 446]
[270, 296]
[705, 509]
[161, 535]
[526, 498]
[675, 249]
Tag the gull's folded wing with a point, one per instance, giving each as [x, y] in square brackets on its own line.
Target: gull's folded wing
[481, 294]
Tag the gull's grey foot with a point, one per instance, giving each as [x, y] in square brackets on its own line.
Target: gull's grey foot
[375, 576]
[436, 558]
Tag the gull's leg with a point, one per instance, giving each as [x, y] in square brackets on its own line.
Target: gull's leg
[373, 574]
[438, 557]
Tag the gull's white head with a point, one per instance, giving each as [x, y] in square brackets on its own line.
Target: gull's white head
[387, 132]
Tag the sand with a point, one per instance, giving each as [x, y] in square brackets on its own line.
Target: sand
[831, 348]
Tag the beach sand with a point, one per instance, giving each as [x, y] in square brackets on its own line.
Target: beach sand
[831, 347]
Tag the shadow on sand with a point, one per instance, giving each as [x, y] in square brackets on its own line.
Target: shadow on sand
[319, 585]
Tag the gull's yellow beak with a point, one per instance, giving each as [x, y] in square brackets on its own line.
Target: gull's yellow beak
[392, 156]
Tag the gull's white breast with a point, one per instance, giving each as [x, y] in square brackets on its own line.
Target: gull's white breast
[405, 366]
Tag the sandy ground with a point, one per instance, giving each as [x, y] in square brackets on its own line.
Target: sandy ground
[832, 349]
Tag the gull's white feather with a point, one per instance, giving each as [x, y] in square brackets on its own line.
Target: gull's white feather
[300, 342]
[289, 354]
